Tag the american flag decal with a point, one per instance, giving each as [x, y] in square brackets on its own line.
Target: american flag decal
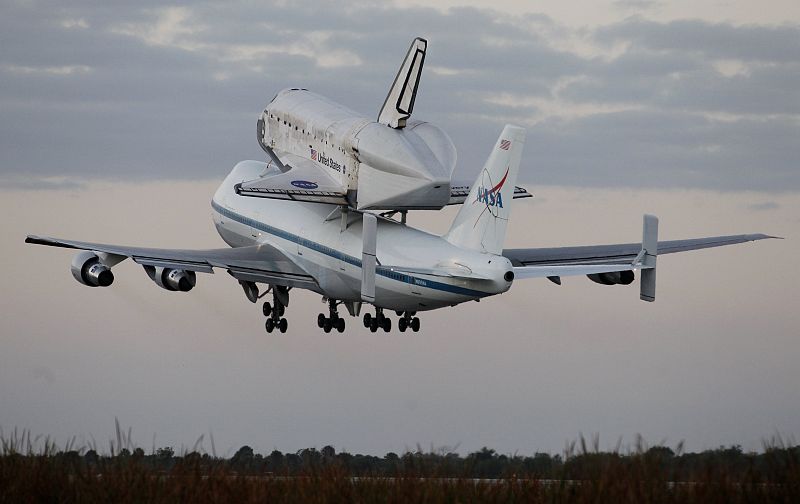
[505, 144]
[313, 155]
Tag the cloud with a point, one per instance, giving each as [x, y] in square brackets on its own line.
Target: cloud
[763, 206]
[40, 183]
[140, 91]
[712, 40]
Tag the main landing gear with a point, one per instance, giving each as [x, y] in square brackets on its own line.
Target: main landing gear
[408, 321]
[274, 312]
[378, 321]
[333, 320]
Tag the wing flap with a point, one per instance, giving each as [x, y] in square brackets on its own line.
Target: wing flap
[572, 270]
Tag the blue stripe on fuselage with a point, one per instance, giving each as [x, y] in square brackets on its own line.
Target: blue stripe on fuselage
[317, 247]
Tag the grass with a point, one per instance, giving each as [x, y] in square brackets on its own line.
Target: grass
[36, 470]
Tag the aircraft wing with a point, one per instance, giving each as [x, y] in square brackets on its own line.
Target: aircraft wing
[303, 180]
[585, 260]
[257, 263]
[459, 190]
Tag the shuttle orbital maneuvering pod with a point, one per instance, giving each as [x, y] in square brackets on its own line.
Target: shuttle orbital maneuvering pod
[327, 212]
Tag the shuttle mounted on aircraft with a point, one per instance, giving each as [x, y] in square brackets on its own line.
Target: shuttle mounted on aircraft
[327, 212]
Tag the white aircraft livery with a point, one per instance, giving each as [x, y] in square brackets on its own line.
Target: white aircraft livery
[327, 213]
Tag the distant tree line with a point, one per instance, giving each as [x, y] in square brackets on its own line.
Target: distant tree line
[581, 474]
[579, 464]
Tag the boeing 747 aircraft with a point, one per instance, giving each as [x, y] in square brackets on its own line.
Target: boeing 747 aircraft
[327, 213]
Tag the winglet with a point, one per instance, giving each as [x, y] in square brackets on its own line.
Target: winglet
[400, 101]
[647, 286]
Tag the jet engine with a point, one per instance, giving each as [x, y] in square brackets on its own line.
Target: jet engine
[172, 279]
[88, 270]
[612, 278]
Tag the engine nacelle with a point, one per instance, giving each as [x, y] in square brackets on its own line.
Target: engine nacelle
[612, 278]
[172, 279]
[88, 270]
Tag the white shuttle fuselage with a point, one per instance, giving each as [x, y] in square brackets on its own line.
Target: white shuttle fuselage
[378, 167]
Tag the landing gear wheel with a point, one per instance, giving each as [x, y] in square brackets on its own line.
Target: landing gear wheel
[321, 320]
[402, 324]
[415, 324]
[340, 325]
[283, 325]
[387, 324]
[373, 325]
[269, 325]
[367, 319]
[327, 326]
[266, 308]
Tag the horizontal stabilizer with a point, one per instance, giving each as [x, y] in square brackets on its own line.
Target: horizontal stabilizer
[459, 192]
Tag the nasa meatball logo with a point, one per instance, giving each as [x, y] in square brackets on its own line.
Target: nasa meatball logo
[304, 184]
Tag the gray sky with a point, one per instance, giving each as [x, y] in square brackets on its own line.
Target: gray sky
[690, 110]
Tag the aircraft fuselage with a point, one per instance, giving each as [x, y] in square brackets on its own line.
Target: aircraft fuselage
[333, 255]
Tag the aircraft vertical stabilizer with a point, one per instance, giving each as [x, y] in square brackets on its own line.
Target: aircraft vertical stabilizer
[482, 221]
[400, 101]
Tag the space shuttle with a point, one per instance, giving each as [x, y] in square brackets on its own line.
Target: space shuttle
[321, 151]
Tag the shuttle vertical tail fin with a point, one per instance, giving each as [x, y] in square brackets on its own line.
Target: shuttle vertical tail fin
[482, 221]
[400, 101]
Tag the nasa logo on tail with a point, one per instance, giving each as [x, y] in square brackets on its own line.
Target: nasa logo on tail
[492, 197]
